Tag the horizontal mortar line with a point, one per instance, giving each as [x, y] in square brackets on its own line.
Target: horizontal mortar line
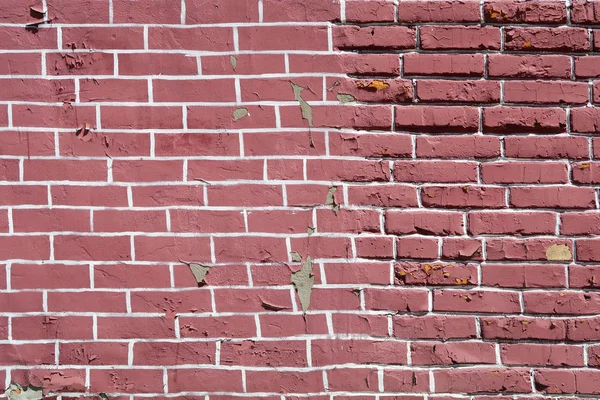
[195, 78]
[167, 25]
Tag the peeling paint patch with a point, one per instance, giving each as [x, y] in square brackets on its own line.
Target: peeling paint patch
[345, 98]
[240, 113]
[17, 392]
[296, 257]
[310, 230]
[304, 106]
[330, 199]
[233, 62]
[200, 271]
[558, 252]
[304, 280]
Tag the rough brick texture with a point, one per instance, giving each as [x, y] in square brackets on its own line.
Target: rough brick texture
[380, 199]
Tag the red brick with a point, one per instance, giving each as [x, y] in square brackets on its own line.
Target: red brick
[513, 12]
[125, 220]
[51, 328]
[333, 299]
[126, 11]
[103, 38]
[27, 143]
[565, 302]
[349, 63]
[439, 11]
[141, 117]
[587, 250]
[458, 146]
[392, 195]
[417, 247]
[433, 119]
[17, 38]
[376, 273]
[245, 64]
[14, 11]
[561, 39]
[80, 63]
[186, 144]
[62, 170]
[435, 171]
[463, 197]
[460, 37]
[249, 248]
[259, 38]
[381, 37]
[584, 12]
[552, 197]
[172, 248]
[54, 380]
[285, 169]
[371, 11]
[473, 380]
[284, 381]
[33, 248]
[96, 248]
[443, 64]
[546, 92]
[585, 120]
[462, 249]
[100, 90]
[171, 303]
[396, 299]
[206, 221]
[103, 144]
[27, 354]
[96, 196]
[573, 381]
[511, 223]
[574, 147]
[49, 276]
[147, 170]
[347, 170]
[220, 11]
[245, 194]
[522, 119]
[280, 221]
[292, 325]
[157, 64]
[168, 353]
[280, 89]
[372, 325]
[224, 170]
[584, 276]
[533, 249]
[284, 143]
[378, 247]
[213, 90]
[360, 117]
[21, 302]
[126, 380]
[524, 172]
[9, 170]
[346, 220]
[53, 116]
[135, 328]
[448, 91]
[476, 301]
[86, 353]
[393, 90]
[397, 380]
[586, 66]
[207, 117]
[355, 379]
[251, 300]
[264, 354]
[586, 172]
[79, 11]
[523, 275]
[156, 196]
[37, 90]
[582, 329]
[187, 380]
[424, 222]
[196, 38]
[529, 66]
[92, 301]
[434, 327]
[131, 276]
[439, 353]
[238, 326]
[339, 351]
[434, 274]
[277, 274]
[51, 220]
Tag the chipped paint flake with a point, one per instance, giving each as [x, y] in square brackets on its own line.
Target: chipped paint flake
[296, 257]
[558, 252]
[304, 280]
[304, 106]
[199, 272]
[233, 62]
[345, 98]
[17, 392]
[240, 113]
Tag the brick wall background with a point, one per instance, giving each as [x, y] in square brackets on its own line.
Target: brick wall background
[380, 199]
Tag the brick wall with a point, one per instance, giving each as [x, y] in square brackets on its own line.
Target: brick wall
[300, 199]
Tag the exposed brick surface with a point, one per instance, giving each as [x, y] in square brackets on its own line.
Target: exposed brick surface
[300, 199]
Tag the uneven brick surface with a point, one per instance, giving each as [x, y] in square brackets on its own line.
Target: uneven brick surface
[379, 199]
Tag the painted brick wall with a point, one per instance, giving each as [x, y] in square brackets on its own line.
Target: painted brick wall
[380, 200]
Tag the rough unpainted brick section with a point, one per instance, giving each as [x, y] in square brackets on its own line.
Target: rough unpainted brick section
[300, 199]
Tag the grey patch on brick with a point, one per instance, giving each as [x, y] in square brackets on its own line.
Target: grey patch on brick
[304, 280]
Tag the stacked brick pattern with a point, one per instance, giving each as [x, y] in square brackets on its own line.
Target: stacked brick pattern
[434, 159]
